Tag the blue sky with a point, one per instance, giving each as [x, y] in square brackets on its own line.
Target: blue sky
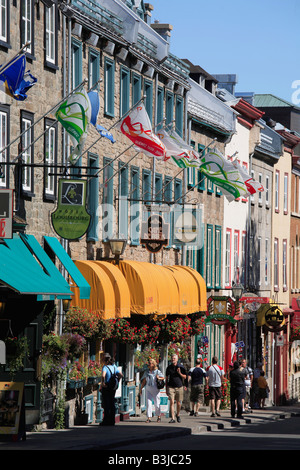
[258, 40]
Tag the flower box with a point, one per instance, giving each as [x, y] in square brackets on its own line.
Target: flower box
[94, 380]
[75, 383]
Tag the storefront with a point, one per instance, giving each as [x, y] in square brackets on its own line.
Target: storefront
[134, 289]
[30, 282]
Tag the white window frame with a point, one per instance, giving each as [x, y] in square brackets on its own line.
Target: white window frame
[50, 149]
[50, 34]
[27, 24]
[284, 264]
[277, 191]
[267, 190]
[26, 155]
[227, 257]
[285, 193]
[267, 266]
[4, 20]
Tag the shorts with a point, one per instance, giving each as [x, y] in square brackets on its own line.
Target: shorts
[215, 393]
[175, 393]
[262, 393]
[197, 394]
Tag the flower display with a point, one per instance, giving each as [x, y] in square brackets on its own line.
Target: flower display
[82, 321]
[77, 371]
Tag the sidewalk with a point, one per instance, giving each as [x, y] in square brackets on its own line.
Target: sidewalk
[136, 430]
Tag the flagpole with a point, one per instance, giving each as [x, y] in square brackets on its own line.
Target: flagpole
[42, 117]
[3, 67]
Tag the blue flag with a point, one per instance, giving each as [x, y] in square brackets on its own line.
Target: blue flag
[95, 106]
[16, 81]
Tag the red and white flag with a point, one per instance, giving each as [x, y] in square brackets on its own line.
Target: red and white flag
[251, 185]
[137, 127]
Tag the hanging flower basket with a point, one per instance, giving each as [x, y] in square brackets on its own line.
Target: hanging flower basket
[77, 375]
[82, 322]
[16, 352]
[94, 373]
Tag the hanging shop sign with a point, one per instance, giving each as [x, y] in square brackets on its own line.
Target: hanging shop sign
[155, 233]
[220, 310]
[6, 213]
[12, 411]
[71, 220]
[188, 225]
[274, 319]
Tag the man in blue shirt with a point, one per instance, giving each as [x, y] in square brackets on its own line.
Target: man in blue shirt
[108, 395]
[196, 376]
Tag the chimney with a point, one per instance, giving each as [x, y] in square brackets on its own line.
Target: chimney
[164, 29]
[148, 9]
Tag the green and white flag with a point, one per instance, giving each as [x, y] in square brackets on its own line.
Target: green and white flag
[223, 173]
[219, 171]
[74, 114]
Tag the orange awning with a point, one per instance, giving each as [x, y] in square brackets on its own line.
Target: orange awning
[201, 287]
[109, 291]
[163, 289]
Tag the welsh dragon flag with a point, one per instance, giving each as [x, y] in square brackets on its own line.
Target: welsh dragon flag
[74, 114]
[137, 127]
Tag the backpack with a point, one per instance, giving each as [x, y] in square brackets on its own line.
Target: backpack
[113, 382]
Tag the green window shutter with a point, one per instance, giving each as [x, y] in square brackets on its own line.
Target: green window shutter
[93, 198]
[109, 90]
[94, 69]
[218, 256]
[160, 108]
[178, 191]
[135, 206]
[123, 201]
[169, 107]
[124, 90]
[179, 115]
[136, 88]
[107, 204]
[76, 50]
[201, 176]
[158, 187]
[148, 92]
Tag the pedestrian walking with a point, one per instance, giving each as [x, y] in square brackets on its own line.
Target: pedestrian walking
[196, 376]
[176, 376]
[247, 385]
[237, 383]
[108, 392]
[263, 389]
[149, 381]
[215, 378]
[256, 375]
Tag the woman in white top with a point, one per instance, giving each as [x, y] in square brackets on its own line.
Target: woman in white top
[152, 392]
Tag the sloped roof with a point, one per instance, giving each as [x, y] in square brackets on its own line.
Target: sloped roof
[271, 101]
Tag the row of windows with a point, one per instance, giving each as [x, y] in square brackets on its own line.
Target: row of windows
[27, 28]
[131, 87]
[27, 151]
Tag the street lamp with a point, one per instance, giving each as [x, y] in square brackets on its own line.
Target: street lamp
[237, 290]
[117, 246]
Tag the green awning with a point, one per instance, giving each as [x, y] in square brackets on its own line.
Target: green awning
[71, 268]
[30, 271]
